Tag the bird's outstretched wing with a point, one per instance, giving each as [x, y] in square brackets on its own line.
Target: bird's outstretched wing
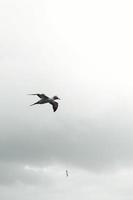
[41, 95]
[55, 105]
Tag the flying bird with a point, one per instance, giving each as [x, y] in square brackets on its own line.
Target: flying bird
[67, 173]
[46, 99]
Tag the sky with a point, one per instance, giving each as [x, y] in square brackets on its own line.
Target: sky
[82, 52]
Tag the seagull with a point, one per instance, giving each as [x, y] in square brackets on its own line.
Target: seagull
[46, 99]
[66, 173]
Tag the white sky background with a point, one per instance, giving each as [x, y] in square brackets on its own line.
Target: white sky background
[81, 51]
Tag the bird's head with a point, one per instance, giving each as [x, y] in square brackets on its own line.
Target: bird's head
[55, 98]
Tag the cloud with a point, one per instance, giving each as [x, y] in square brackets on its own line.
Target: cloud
[95, 186]
[94, 142]
[15, 174]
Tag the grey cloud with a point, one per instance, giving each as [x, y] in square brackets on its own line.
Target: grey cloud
[94, 144]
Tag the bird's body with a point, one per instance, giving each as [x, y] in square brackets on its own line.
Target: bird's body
[44, 99]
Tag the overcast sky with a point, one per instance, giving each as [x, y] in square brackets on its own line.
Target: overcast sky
[81, 51]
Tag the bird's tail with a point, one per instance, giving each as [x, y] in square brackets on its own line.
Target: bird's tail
[33, 104]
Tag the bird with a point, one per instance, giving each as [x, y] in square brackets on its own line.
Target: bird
[66, 173]
[46, 99]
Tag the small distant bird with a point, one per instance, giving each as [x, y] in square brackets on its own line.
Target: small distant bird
[66, 172]
[45, 99]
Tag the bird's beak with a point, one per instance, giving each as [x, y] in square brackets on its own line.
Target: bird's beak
[59, 98]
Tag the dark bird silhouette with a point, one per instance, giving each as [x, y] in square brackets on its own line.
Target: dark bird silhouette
[46, 99]
[67, 173]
